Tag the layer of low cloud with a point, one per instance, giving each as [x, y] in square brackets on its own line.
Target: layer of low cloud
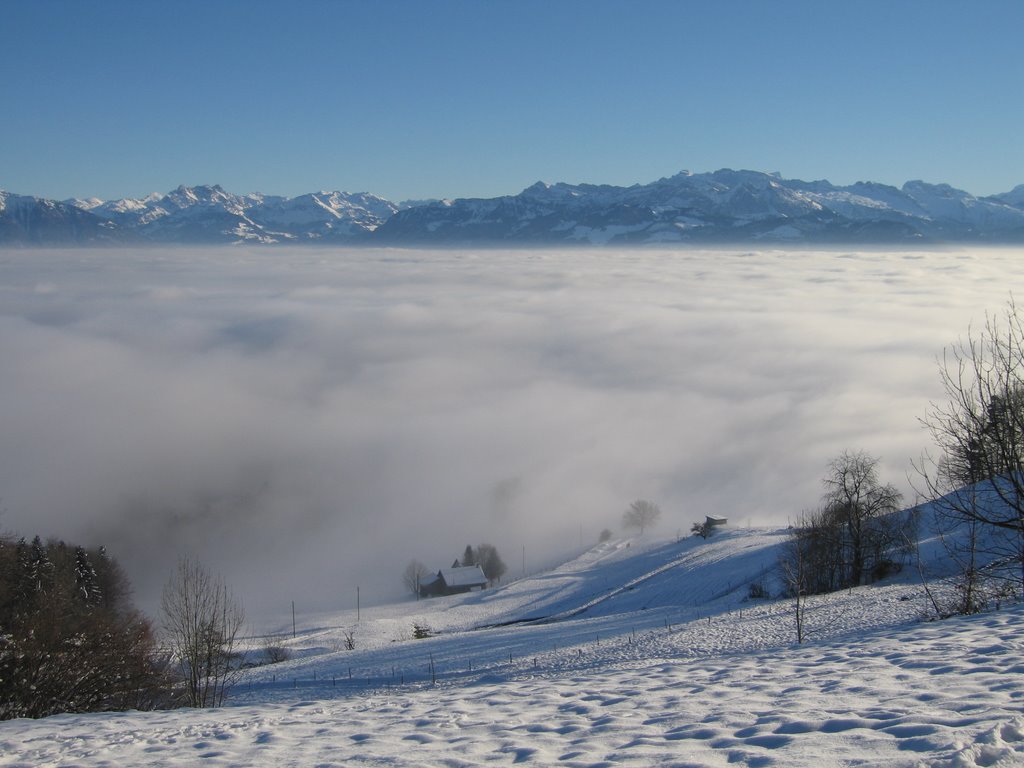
[306, 421]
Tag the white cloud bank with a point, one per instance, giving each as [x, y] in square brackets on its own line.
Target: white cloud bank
[309, 420]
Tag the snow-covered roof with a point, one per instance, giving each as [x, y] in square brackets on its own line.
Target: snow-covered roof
[466, 576]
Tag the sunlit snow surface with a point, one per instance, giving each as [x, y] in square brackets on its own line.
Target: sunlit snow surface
[638, 679]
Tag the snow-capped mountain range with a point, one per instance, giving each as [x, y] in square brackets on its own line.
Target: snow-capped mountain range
[209, 214]
[725, 206]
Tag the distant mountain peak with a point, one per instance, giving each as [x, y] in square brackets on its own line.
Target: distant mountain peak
[722, 206]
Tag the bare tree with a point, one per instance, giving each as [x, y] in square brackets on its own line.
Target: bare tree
[978, 475]
[795, 575]
[864, 509]
[641, 514]
[202, 620]
[969, 585]
[413, 576]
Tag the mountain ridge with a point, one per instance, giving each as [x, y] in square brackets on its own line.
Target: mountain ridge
[723, 206]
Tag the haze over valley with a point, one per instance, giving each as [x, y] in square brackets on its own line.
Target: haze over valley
[311, 419]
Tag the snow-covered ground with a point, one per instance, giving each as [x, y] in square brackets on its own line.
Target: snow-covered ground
[639, 652]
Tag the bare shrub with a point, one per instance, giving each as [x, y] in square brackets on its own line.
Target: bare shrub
[202, 621]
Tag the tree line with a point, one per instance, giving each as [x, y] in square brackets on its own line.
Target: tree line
[858, 534]
[70, 639]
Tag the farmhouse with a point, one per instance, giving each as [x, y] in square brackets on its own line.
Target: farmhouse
[452, 581]
[714, 522]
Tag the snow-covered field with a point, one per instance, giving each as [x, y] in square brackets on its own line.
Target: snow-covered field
[639, 652]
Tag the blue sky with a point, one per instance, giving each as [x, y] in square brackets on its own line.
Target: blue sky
[460, 98]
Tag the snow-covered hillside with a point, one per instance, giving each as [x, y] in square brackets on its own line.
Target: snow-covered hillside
[638, 652]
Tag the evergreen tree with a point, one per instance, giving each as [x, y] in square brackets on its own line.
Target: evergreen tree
[24, 592]
[87, 587]
[40, 567]
[469, 557]
[114, 591]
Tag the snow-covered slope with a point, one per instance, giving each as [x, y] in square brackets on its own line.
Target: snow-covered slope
[933, 695]
[613, 591]
[638, 652]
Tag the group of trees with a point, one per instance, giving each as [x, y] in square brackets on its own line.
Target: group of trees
[70, 639]
[974, 485]
[487, 557]
[857, 534]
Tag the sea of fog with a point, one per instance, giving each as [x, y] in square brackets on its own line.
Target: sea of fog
[306, 421]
